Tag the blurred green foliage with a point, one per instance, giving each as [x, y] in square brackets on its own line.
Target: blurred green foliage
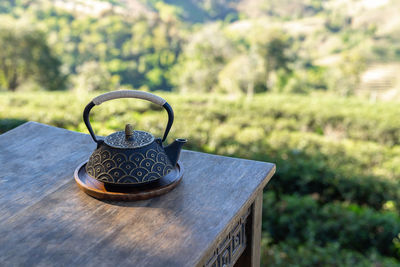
[335, 197]
[246, 46]
[312, 254]
[92, 76]
[302, 220]
[135, 51]
[26, 57]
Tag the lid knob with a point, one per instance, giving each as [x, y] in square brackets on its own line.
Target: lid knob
[128, 131]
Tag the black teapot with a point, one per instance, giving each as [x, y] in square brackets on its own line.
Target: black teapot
[131, 157]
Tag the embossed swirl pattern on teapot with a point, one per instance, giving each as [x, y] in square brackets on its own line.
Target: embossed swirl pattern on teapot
[122, 168]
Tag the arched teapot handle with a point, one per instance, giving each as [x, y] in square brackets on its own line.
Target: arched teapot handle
[128, 94]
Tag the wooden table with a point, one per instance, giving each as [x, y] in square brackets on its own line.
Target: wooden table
[213, 218]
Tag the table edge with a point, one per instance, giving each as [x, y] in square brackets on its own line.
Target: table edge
[203, 257]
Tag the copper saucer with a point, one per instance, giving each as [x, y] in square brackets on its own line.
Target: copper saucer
[103, 191]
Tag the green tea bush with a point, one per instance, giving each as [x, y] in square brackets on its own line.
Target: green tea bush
[302, 219]
[348, 170]
[333, 117]
[311, 254]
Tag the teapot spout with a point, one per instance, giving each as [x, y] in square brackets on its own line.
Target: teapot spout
[174, 150]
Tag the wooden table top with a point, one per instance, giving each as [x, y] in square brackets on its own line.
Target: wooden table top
[46, 220]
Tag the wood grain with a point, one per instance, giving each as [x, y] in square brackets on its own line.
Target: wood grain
[255, 245]
[45, 220]
[35, 160]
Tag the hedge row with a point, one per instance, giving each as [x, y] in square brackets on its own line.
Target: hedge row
[330, 116]
[358, 172]
[311, 254]
[302, 219]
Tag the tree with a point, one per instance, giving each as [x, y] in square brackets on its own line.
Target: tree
[281, 9]
[344, 78]
[25, 57]
[154, 48]
[272, 46]
[242, 74]
[92, 76]
[204, 56]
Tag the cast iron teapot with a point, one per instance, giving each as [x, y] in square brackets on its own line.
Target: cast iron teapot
[131, 157]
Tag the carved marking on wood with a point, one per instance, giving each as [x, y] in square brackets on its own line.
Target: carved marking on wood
[230, 249]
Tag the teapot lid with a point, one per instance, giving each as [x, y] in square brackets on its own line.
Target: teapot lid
[129, 138]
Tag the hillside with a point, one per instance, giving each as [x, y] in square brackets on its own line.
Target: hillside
[199, 45]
